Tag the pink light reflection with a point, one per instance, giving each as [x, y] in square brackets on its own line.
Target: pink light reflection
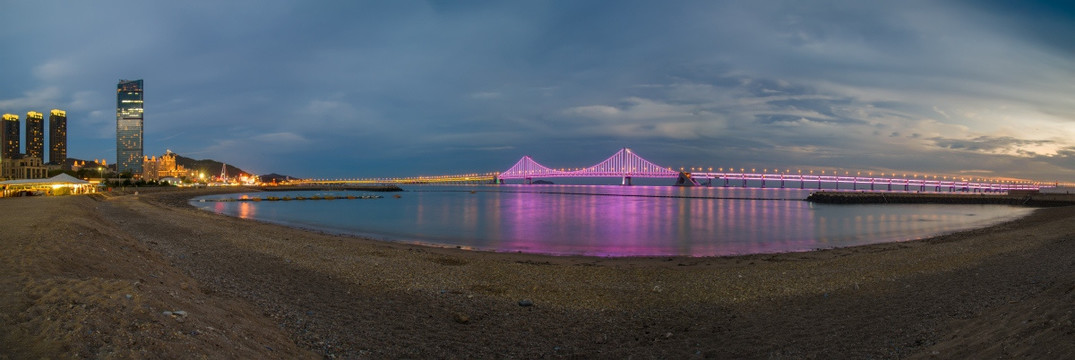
[634, 226]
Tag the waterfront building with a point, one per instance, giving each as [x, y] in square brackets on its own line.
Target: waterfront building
[23, 167]
[9, 136]
[35, 135]
[129, 110]
[154, 168]
[57, 137]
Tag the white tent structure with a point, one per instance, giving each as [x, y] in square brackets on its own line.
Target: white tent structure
[61, 184]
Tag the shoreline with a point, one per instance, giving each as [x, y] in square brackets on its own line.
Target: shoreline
[261, 290]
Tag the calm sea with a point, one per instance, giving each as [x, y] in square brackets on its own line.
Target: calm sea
[612, 220]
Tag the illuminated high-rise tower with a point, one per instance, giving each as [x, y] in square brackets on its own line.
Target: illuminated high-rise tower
[9, 137]
[57, 137]
[35, 135]
[129, 126]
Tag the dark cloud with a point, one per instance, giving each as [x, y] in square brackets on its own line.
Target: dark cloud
[395, 88]
[990, 144]
[1048, 23]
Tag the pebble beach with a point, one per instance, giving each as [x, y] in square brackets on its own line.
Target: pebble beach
[125, 275]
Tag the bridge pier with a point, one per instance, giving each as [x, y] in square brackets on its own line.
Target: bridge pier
[626, 181]
[684, 179]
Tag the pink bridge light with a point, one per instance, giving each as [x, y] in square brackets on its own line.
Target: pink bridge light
[624, 163]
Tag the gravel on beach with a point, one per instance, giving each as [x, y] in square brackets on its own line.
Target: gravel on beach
[124, 275]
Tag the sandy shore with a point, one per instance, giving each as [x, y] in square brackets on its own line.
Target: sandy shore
[136, 276]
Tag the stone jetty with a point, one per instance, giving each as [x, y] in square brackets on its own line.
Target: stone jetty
[351, 187]
[1022, 198]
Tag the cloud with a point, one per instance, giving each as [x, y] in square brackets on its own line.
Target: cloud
[636, 109]
[86, 100]
[282, 140]
[481, 148]
[54, 69]
[268, 143]
[939, 111]
[593, 111]
[640, 117]
[334, 114]
[1005, 145]
[486, 95]
[40, 98]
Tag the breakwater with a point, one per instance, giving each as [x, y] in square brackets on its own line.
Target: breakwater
[379, 188]
[296, 198]
[1021, 199]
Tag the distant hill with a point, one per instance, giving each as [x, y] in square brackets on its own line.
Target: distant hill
[208, 166]
[69, 162]
[274, 177]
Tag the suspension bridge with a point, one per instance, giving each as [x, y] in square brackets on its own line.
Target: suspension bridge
[627, 165]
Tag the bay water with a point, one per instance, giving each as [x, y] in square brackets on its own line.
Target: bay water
[609, 220]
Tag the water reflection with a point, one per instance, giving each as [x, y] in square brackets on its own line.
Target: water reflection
[246, 210]
[619, 221]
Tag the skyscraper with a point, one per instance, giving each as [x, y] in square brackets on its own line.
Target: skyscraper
[35, 135]
[57, 136]
[129, 126]
[9, 137]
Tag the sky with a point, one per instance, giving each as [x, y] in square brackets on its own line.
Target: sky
[346, 89]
